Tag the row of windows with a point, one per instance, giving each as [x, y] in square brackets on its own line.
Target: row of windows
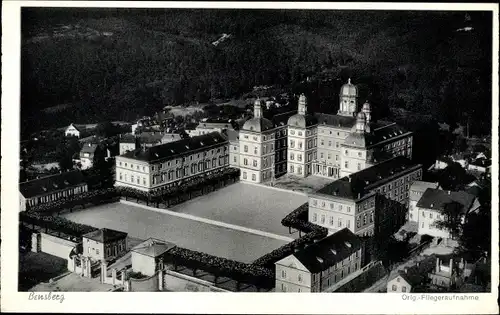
[254, 177]
[366, 220]
[333, 206]
[265, 162]
[56, 196]
[395, 288]
[337, 143]
[300, 133]
[339, 133]
[346, 152]
[310, 144]
[264, 138]
[438, 216]
[346, 165]
[322, 156]
[256, 151]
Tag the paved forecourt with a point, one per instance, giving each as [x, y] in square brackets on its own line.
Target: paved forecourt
[193, 234]
[248, 205]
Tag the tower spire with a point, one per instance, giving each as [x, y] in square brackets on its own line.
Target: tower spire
[302, 104]
[257, 108]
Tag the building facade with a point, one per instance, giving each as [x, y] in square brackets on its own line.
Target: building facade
[319, 267]
[257, 140]
[360, 201]
[417, 189]
[51, 188]
[162, 166]
[432, 204]
[73, 131]
[302, 141]
[104, 244]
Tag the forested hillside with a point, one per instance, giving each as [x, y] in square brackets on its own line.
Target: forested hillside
[87, 65]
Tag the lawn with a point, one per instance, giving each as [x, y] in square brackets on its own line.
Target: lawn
[35, 268]
[142, 223]
[256, 207]
[304, 185]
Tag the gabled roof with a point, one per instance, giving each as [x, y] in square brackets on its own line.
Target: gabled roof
[48, 184]
[436, 199]
[232, 135]
[171, 149]
[361, 183]
[77, 127]
[105, 235]
[153, 247]
[150, 137]
[328, 251]
[416, 274]
[89, 148]
[422, 186]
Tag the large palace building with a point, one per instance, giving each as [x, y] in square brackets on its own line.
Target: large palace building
[320, 144]
[162, 166]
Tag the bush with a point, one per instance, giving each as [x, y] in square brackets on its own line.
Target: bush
[56, 223]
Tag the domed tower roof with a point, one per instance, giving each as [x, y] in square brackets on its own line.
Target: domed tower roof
[258, 125]
[302, 121]
[349, 89]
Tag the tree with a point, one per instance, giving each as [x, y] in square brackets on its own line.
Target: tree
[105, 129]
[453, 177]
[476, 235]
[452, 219]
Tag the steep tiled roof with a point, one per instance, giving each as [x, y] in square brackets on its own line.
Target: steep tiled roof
[359, 184]
[150, 137]
[328, 251]
[339, 121]
[171, 149]
[282, 119]
[416, 274]
[46, 185]
[105, 235]
[127, 138]
[437, 199]
[232, 135]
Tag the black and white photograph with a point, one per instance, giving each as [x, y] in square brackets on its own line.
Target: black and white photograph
[254, 150]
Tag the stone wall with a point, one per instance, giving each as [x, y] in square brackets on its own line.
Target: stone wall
[52, 245]
[174, 281]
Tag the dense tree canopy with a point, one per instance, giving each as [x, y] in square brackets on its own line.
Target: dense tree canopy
[83, 64]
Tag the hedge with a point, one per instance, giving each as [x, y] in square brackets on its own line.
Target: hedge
[195, 183]
[55, 223]
[93, 196]
[296, 219]
[248, 273]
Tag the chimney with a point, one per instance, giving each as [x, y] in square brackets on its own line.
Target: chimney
[437, 264]
[449, 192]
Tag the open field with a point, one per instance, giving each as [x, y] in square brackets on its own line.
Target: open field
[248, 205]
[212, 239]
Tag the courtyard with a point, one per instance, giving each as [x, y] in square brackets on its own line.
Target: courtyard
[298, 184]
[188, 233]
[248, 205]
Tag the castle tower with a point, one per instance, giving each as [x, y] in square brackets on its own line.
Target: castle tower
[360, 122]
[302, 110]
[368, 115]
[257, 108]
[348, 99]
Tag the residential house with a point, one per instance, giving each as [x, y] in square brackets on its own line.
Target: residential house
[432, 204]
[376, 195]
[146, 139]
[320, 266]
[162, 166]
[51, 188]
[417, 189]
[104, 244]
[147, 256]
[208, 125]
[411, 279]
[89, 154]
[74, 130]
